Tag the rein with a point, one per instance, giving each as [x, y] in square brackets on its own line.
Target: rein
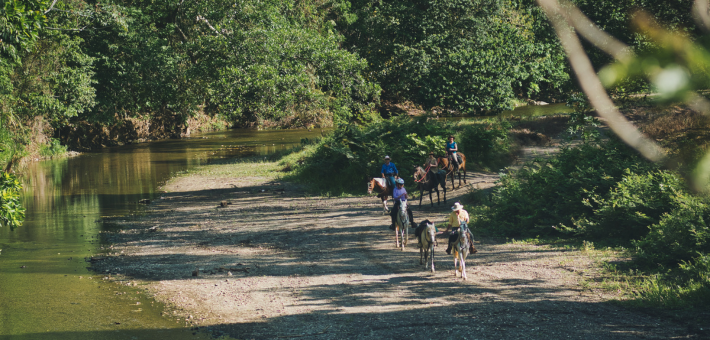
[424, 176]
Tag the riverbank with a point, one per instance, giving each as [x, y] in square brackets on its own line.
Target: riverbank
[235, 251]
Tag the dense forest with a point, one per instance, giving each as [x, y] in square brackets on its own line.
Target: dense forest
[84, 74]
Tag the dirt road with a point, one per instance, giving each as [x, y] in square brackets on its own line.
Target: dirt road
[254, 258]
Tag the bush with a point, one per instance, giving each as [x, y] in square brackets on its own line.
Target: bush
[11, 212]
[54, 148]
[680, 235]
[634, 203]
[545, 199]
[343, 161]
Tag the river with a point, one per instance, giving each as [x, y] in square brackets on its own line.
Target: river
[46, 290]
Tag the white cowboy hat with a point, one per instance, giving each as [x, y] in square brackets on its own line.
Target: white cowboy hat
[457, 206]
[387, 157]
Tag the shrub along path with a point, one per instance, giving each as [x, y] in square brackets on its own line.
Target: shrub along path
[252, 257]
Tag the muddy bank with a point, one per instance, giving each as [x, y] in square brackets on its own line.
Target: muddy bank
[250, 256]
[84, 135]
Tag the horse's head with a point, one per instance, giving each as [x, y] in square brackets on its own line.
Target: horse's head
[370, 185]
[430, 230]
[418, 173]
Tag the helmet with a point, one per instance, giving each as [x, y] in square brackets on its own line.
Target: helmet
[400, 181]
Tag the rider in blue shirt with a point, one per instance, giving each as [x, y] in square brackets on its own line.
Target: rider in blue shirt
[451, 149]
[389, 171]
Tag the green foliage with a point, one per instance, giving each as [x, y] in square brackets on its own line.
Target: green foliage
[471, 56]
[547, 198]
[637, 201]
[344, 160]
[11, 212]
[54, 148]
[20, 23]
[486, 144]
[680, 235]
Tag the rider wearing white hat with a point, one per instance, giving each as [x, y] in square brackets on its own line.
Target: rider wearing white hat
[458, 217]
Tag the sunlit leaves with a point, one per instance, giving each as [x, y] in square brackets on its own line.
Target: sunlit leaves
[11, 212]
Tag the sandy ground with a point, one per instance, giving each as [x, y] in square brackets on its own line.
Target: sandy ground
[254, 258]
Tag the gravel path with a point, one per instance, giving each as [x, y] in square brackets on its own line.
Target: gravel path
[250, 258]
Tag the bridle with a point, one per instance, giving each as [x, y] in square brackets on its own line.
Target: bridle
[423, 176]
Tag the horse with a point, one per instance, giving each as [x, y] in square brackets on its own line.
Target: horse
[401, 223]
[430, 180]
[379, 185]
[446, 165]
[461, 250]
[426, 233]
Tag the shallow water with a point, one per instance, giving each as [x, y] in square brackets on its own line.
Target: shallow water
[46, 290]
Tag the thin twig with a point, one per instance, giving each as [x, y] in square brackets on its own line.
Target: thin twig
[592, 86]
[50, 7]
[201, 18]
[590, 31]
[66, 29]
[700, 13]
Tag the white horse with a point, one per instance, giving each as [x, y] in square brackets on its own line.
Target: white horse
[461, 250]
[379, 185]
[401, 225]
[427, 242]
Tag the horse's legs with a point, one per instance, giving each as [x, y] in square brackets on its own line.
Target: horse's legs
[464, 175]
[384, 204]
[421, 195]
[463, 265]
[438, 199]
[396, 235]
[430, 199]
[456, 258]
[431, 254]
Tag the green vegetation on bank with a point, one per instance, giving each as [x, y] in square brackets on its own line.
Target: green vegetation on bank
[344, 160]
[602, 192]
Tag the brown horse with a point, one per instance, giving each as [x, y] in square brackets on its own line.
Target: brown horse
[379, 185]
[449, 167]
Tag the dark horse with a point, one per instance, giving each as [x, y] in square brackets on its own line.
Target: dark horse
[428, 181]
[449, 167]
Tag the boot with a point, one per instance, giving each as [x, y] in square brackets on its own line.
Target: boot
[392, 226]
[448, 250]
[472, 250]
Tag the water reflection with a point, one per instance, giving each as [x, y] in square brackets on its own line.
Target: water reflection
[45, 286]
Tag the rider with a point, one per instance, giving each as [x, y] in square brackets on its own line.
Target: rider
[458, 217]
[399, 194]
[431, 166]
[431, 162]
[389, 171]
[451, 149]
